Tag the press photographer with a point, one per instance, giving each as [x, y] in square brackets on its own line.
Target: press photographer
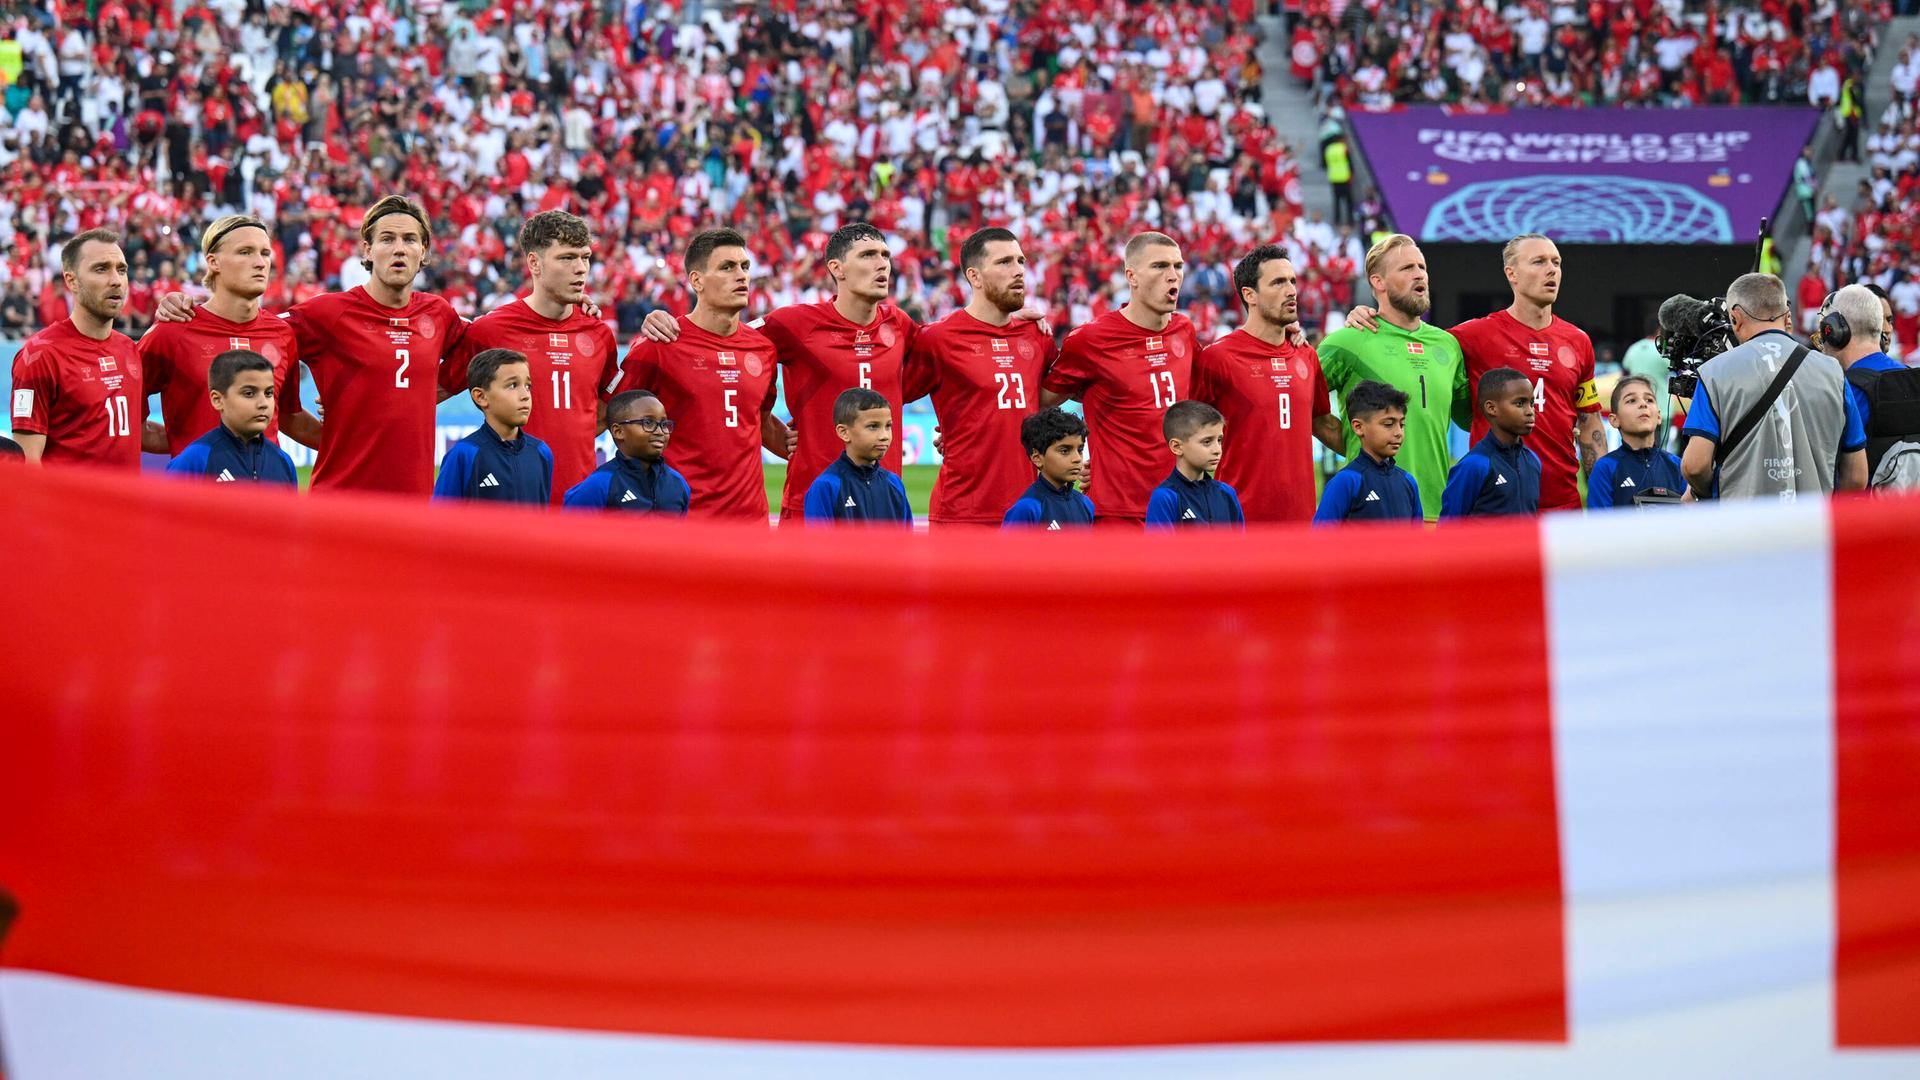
[1770, 417]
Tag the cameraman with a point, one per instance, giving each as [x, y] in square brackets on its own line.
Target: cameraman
[1770, 415]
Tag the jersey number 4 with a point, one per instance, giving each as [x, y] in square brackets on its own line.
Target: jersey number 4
[1011, 390]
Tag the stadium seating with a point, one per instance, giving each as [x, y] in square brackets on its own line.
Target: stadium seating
[1077, 121]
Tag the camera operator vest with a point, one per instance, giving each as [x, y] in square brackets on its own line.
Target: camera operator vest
[1793, 449]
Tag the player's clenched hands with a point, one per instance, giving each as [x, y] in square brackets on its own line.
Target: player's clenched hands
[175, 307]
[662, 327]
[780, 439]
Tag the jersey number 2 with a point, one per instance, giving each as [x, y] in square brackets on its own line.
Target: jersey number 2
[401, 357]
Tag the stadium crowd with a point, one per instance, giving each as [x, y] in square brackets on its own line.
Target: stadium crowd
[1073, 121]
[1602, 52]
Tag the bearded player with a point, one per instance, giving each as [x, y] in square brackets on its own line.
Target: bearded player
[175, 356]
[572, 357]
[1411, 355]
[984, 368]
[716, 379]
[1126, 367]
[76, 385]
[1271, 391]
[1555, 355]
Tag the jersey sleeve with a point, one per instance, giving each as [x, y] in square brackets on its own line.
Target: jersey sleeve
[1161, 506]
[306, 329]
[288, 403]
[1318, 392]
[1337, 498]
[1463, 486]
[920, 375]
[192, 461]
[642, 367]
[1600, 484]
[1586, 396]
[686, 493]
[1073, 372]
[1853, 435]
[1702, 421]
[1336, 364]
[155, 366]
[1024, 511]
[456, 469]
[293, 471]
[900, 488]
[610, 368]
[454, 363]
[546, 461]
[1413, 492]
[1462, 393]
[34, 389]
[818, 508]
[588, 494]
[1202, 385]
[1233, 503]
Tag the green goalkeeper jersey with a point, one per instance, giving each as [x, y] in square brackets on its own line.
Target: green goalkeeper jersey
[1425, 364]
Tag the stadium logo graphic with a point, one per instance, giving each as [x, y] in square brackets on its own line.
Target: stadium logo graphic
[1579, 209]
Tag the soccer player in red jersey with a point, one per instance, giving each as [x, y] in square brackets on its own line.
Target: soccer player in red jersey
[716, 379]
[856, 339]
[983, 368]
[1127, 367]
[76, 384]
[175, 356]
[1555, 355]
[375, 352]
[1271, 391]
[573, 357]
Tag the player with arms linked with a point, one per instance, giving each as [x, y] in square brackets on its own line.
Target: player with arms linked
[1128, 367]
[76, 385]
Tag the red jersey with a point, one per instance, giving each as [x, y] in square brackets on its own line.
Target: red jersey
[1126, 376]
[83, 394]
[715, 389]
[1558, 361]
[573, 363]
[984, 380]
[175, 357]
[375, 369]
[1270, 396]
[823, 354]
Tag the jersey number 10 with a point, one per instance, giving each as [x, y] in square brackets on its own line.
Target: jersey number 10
[117, 423]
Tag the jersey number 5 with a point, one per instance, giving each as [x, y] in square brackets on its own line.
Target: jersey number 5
[1012, 392]
[1162, 384]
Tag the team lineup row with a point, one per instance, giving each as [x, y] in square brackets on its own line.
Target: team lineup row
[383, 355]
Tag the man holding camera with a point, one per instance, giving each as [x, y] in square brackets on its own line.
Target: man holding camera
[1771, 417]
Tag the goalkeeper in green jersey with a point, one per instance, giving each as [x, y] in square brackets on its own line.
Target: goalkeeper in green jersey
[1424, 362]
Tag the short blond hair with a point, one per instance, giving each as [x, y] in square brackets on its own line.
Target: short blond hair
[1511, 253]
[217, 234]
[1383, 247]
[1145, 240]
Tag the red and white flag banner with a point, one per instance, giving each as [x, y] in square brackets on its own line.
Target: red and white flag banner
[311, 788]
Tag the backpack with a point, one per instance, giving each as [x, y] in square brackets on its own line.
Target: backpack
[1893, 424]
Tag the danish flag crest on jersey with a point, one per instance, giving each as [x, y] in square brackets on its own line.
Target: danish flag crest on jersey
[557, 341]
[239, 343]
[1414, 348]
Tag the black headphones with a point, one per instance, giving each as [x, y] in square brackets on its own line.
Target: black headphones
[1834, 332]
